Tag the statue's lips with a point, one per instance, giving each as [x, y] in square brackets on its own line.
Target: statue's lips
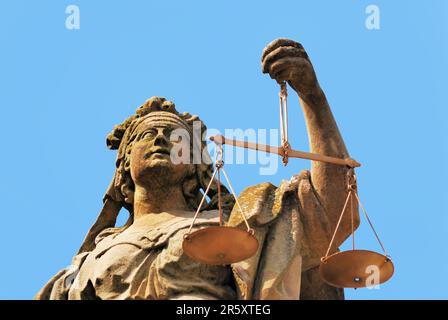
[157, 152]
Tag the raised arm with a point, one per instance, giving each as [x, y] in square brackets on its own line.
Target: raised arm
[286, 60]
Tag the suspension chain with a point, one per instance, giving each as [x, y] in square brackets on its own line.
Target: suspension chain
[352, 189]
[283, 95]
[219, 166]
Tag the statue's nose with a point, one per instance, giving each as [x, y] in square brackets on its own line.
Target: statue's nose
[161, 140]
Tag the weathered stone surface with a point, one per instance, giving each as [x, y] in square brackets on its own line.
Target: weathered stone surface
[144, 259]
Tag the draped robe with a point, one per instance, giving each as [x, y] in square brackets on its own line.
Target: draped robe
[290, 223]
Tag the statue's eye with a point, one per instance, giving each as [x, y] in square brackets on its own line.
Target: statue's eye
[149, 134]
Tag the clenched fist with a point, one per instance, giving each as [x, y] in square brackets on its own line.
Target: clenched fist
[286, 60]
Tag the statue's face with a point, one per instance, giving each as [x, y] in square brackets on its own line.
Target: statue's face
[151, 156]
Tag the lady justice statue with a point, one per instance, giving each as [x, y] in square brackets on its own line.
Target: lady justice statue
[293, 223]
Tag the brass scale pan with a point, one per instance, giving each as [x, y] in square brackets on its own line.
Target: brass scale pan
[219, 245]
[352, 268]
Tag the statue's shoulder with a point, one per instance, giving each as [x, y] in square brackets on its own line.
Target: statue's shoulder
[262, 203]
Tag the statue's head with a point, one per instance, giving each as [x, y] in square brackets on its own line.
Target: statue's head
[153, 157]
[150, 146]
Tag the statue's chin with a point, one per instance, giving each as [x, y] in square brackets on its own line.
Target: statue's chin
[158, 168]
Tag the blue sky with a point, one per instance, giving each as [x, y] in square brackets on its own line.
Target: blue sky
[63, 90]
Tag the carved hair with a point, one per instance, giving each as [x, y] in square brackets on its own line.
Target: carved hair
[122, 138]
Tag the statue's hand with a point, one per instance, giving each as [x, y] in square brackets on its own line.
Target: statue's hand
[286, 60]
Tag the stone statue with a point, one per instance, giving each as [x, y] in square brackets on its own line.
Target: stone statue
[293, 222]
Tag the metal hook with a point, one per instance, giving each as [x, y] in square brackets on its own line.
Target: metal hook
[219, 162]
[351, 179]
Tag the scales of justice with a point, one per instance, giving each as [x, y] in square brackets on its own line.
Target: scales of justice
[224, 245]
